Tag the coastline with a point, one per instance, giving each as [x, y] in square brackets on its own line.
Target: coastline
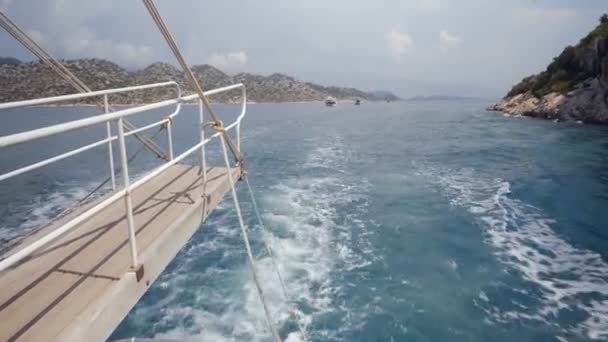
[579, 106]
[69, 105]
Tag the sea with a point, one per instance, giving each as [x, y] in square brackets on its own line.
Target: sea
[401, 221]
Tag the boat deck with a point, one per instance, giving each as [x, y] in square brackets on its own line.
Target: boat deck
[81, 286]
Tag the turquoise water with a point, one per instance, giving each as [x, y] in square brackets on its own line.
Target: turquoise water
[391, 222]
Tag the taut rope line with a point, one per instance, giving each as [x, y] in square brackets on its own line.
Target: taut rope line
[187, 71]
[225, 139]
[273, 329]
[265, 233]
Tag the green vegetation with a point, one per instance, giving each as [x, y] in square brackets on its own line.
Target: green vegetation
[600, 31]
[566, 70]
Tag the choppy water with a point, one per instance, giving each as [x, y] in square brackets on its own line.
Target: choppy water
[391, 222]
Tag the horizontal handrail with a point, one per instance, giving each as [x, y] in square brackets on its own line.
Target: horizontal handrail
[146, 127]
[26, 251]
[73, 152]
[55, 129]
[78, 96]
[18, 138]
[56, 158]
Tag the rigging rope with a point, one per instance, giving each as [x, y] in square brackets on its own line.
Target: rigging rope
[83, 200]
[225, 139]
[265, 234]
[254, 272]
[151, 7]
[9, 26]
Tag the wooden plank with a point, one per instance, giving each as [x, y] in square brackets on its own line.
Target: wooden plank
[57, 293]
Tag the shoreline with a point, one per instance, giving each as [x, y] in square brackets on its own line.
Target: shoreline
[69, 105]
[577, 106]
[555, 120]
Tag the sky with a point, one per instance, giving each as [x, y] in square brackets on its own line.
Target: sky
[411, 47]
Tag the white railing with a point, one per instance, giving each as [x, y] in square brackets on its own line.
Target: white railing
[107, 119]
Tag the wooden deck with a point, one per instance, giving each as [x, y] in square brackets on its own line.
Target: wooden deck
[81, 286]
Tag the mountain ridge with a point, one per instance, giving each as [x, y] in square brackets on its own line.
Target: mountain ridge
[26, 80]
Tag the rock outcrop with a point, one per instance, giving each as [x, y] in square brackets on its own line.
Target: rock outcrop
[21, 80]
[574, 86]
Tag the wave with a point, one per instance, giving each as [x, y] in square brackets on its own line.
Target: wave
[42, 209]
[570, 279]
[209, 293]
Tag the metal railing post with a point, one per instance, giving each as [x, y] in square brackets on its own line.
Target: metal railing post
[128, 201]
[201, 125]
[110, 151]
[170, 137]
[238, 126]
[238, 137]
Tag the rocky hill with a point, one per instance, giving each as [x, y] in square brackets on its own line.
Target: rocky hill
[9, 61]
[573, 87]
[21, 80]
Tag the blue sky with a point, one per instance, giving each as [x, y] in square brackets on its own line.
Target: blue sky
[457, 47]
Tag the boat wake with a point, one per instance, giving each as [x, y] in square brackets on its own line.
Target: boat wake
[23, 220]
[567, 281]
[208, 292]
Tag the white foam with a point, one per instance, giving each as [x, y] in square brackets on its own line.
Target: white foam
[522, 238]
[308, 243]
[41, 210]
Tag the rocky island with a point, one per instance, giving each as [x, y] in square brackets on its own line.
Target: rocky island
[573, 87]
[27, 80]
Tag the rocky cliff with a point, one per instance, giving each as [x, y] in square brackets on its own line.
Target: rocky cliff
[573, 87]
[20, 81]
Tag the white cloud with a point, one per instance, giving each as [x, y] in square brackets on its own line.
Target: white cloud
[427, 5]
[229, 60]
[36, 35]
[448, 40]
[543, 15]
[4, 4]
[399, 43]
[82, 42]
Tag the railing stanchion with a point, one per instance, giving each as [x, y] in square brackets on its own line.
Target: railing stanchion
[170, 137]
[238, 137]
[110, 151]
[128, 202]
[238, 126]
[201, 126]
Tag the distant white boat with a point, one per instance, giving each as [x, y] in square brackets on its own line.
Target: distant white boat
[330, 101]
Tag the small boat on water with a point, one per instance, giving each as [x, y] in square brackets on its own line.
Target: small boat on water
[330, 101]
[357, 102]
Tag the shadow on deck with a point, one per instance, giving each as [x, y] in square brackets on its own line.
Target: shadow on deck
[81, 286]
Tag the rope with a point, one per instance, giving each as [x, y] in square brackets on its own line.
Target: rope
[252, 265]
[67, 75]
[265, 234]
[9, 26]
[101, 185]
[164, 30]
